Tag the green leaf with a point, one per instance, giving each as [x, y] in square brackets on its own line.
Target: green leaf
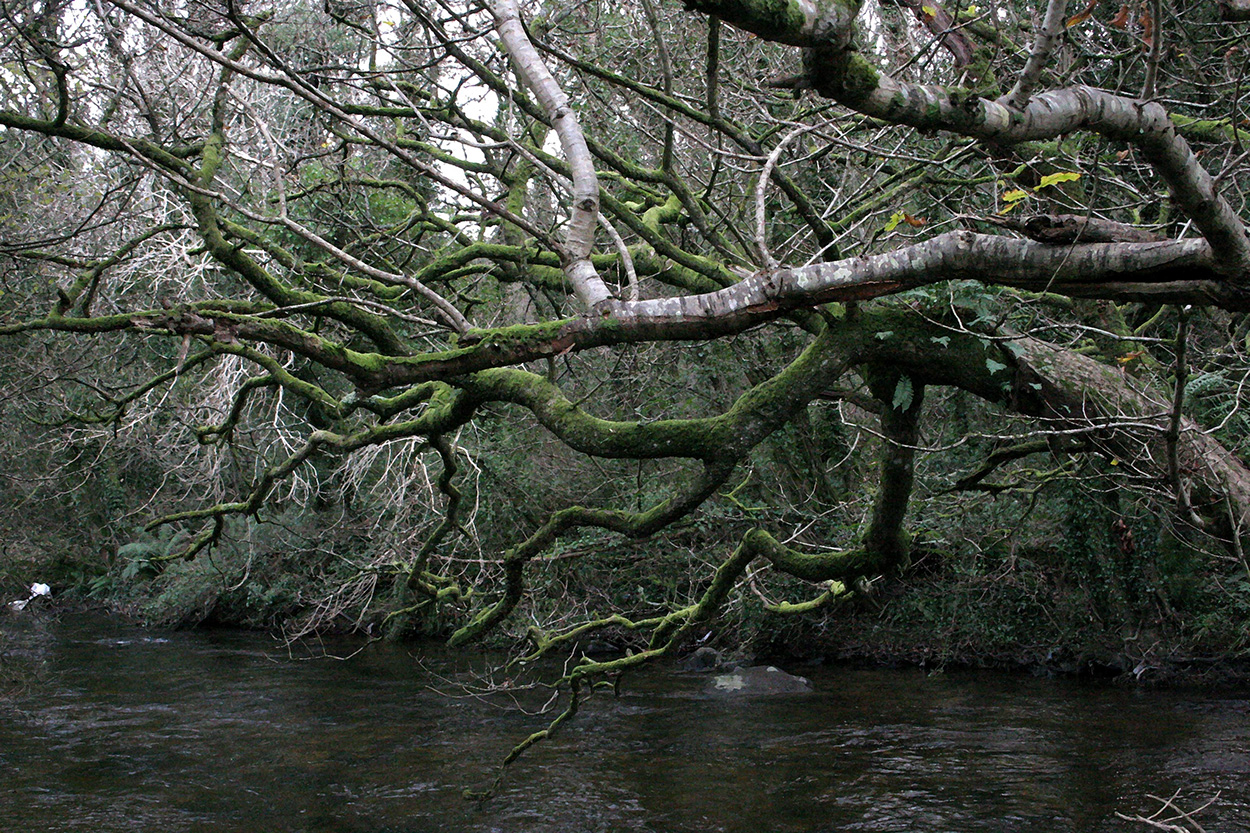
[884, 334]
[993, 366]
[895, 219]
[903, 394]
[945, 341]
[1054, 179]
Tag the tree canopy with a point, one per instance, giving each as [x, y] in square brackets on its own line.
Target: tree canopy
[607, 268]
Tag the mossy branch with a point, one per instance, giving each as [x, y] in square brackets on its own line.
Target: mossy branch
[519, 749]
[221, 432]
[633, 524]
[840, 570]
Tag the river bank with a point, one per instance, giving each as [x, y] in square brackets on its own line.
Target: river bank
[1022, 615]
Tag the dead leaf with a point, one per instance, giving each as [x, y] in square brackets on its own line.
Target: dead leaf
[1081, 16]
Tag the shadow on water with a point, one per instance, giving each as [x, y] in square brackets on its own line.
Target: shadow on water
[217, 731]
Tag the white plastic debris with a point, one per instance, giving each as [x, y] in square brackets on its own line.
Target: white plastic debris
[36, 590]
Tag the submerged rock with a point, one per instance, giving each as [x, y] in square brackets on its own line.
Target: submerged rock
[705, 659]
[758, 680]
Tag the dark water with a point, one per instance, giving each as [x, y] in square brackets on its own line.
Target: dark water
[129, 731]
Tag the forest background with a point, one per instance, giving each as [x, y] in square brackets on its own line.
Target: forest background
[887, 330]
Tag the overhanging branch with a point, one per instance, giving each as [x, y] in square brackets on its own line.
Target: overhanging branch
[839, 72]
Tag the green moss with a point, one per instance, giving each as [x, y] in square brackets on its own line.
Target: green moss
[367, 362]
[696, 438]
[844, 75]
[860, 78]
[516, 336]
[669, 212]
[212, 157]
[775, 20]
[1208, 130]
[981, 72]
[814, 567]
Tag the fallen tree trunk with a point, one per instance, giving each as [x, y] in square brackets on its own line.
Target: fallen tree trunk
[1126, 417]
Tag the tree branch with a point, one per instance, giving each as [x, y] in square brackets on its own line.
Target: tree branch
[839, 72]
[583, 213]
[1043, 46]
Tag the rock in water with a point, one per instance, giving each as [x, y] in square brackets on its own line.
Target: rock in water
[704, 659]
[758, 680]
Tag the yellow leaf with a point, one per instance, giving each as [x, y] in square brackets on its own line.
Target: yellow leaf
[971, 11]
[929, 11]
[1015, 196]
[896, 218]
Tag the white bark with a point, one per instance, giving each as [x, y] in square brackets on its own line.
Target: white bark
[1043, 46]
[1170, 270]
[584, 212]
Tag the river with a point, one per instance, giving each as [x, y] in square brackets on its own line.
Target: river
[129, 730]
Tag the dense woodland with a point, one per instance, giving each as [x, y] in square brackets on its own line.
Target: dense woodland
[881, 329]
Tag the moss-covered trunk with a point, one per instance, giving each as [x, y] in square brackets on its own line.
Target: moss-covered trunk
[886, 540]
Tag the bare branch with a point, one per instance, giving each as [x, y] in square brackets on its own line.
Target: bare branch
[1043, 45]
[584, 212]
